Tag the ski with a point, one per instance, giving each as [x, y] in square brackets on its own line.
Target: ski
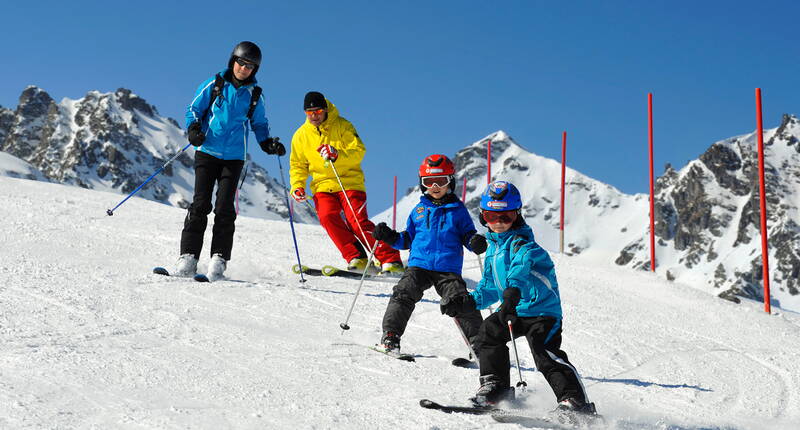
[201, 278]
[474, 410]
[529, 421]
[161, 271]
[339, 273]
[393, 354]
[464, 362]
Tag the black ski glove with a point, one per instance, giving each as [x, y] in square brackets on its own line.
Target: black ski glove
[477, 243]
[384, 233]
[508, 310]
[196, 135]
[452, 306]
[273, 146]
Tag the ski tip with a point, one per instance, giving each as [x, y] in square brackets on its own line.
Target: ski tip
[160, 271]
[329, 270]
[463, 362]
[425, 403]
[201, 278]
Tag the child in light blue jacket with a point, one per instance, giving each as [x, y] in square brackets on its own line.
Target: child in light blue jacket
[521, 275]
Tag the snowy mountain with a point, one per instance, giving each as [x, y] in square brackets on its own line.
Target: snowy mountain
[113, 142]
[707, 214]
[90, 339]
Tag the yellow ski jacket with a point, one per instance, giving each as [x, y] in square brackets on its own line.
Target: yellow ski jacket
[304, 159]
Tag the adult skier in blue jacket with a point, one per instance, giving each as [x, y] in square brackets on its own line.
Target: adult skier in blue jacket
[520, 274]
[436, 231]
[219, 131]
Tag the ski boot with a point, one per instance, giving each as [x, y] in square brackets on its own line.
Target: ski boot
[394, 268]
[391, 342]
[492, 392]
[358, 265]
[576, 412]
[216, 268]
[186, 267]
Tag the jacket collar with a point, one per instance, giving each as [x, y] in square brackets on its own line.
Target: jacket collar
[524, 230]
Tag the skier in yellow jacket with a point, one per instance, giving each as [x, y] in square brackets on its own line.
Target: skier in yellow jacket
[327, 141]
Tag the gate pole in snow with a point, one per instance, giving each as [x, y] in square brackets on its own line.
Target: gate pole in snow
[563, 172]
[394, 205]
[763, 198]
[652, 193]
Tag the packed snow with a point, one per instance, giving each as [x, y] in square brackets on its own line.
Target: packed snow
[90, 338]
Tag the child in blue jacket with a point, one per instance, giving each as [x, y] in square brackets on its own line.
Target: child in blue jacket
[437, 229]
[521, 275]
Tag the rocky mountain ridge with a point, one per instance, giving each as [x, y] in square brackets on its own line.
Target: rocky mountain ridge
[113, 142]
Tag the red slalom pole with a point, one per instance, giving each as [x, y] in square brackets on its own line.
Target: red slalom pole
[763, 198]
[652, 189]
[563, 174]
[489, 162]
[464, 190]
[394, 204]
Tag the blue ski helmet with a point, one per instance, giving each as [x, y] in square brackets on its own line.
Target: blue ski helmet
[501, 196]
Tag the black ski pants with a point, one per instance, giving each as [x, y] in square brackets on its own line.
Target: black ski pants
[410, 289]
[210, 171]
[544, 338]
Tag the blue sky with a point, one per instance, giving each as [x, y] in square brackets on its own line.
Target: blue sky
[432, 77]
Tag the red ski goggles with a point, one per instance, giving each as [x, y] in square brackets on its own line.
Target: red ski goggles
[506, 217]
[438, 181]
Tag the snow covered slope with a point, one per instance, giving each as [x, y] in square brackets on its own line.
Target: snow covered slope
[90, 339]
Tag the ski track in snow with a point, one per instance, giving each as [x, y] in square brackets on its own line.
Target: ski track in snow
[91, 339]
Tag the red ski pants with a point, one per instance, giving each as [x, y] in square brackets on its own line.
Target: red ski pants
[347, 235]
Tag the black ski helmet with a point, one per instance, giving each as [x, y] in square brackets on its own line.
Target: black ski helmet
[248, 51]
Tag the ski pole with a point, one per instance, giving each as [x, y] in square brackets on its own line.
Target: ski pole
[291, 222]
[355, 216]
[521, 383]
[110, 212]
[344, 325]
[464, 336]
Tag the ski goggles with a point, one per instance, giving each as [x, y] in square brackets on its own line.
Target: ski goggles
[246, 64]
[493, 217]
[315, 112]
[438, 181]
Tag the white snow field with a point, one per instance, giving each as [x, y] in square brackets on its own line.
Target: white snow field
[90, 339]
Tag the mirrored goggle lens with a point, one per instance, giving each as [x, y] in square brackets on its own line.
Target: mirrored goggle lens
[315, 112]
[245, 64]
[439, 181]
[506, 217]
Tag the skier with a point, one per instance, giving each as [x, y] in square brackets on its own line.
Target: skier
[324, 142]
[219, 134]
[520, 274]
[437, 228]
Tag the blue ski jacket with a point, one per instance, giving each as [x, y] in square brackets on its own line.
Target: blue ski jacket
[436, 235]
[514, 259]
[226, 126]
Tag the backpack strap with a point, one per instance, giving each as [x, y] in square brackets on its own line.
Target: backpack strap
[219, 82]
[254, 96]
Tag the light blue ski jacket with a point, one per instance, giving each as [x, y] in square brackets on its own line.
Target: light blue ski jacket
[226, 126]
[514, 259]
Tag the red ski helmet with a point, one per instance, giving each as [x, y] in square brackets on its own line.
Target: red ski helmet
[437, 165]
